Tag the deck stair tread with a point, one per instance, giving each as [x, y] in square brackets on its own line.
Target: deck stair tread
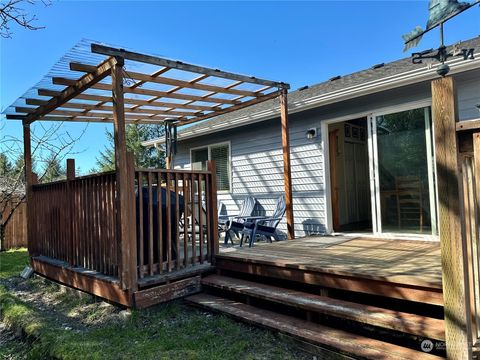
[333, 339]
[372, 315]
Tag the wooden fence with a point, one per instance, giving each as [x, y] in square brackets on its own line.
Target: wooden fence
[14, 223]
[74, 221]
[179, 227]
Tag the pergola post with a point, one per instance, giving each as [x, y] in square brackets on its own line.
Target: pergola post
[453, 248]
[27, 155]
[125, 201]
[287, 174]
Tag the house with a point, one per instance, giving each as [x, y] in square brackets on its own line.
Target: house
[357, 142]
[362, 160]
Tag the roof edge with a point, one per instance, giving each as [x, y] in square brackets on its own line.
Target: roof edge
[386, 83]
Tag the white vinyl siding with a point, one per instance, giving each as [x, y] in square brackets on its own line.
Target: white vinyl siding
[256, 161]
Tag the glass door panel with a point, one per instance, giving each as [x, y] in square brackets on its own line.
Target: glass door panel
[404, 172]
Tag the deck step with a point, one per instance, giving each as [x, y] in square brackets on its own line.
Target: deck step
[323, 336]
[376, 316]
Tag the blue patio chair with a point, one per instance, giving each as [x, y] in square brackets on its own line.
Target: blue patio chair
[264, 226]
[235, 222]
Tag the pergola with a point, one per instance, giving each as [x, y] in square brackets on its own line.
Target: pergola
[129, 235]
[113, 85]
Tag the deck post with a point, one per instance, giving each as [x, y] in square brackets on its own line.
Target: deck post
[287, 175]
[125, 214]
[452, 245]
[214, 211]
[70, 197]
[27, 154]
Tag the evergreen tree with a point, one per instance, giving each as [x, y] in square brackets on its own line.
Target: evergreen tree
[53, 169]
[135, 134]
[6, 167]
[18, 165]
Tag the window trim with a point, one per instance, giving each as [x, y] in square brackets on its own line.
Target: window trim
[230, 172]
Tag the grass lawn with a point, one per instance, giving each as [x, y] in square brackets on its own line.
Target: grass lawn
[12, 262]
[61, 324]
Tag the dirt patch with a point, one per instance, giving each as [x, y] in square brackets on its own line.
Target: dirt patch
[73, 309]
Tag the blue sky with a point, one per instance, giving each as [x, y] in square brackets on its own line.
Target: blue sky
[297, 42]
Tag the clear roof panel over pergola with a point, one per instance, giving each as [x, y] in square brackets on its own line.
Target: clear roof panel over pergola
[79, 88]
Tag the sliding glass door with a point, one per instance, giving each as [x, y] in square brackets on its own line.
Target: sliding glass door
[402, 172]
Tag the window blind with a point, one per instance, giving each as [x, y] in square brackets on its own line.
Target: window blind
[221, 155]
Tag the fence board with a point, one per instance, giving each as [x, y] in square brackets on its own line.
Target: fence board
[15, 229]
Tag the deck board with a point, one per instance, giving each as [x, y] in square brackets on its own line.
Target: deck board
[398, 261]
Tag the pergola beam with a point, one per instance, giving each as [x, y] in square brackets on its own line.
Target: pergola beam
[174, 82]
[86, 81]
[97, 119]
[154, 60]
[149, 92]
[64, 115]
[189, 85]
[90, 108]
[107, 99]
[245, 104]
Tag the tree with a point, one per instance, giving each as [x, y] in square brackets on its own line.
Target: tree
[135, 134]
[51, 145]
[6, 166]
[13, 11]
[54, 170]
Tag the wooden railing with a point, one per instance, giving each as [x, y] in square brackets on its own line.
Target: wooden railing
[470, 166]
[74, 221]
[176, 215]
[173, 222]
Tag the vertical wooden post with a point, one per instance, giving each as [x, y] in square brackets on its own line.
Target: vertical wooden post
[453, 251]
[70, 169]
[214, 211]
[125, 214]
[287, 175]
[27, 154]
[476, 158]
[333, 143]
[71, 243]
[168, 162]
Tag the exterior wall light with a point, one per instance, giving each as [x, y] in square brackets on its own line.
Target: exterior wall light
[311, 133]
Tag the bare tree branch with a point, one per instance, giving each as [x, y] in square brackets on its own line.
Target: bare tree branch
[13, 11]
[50, 143]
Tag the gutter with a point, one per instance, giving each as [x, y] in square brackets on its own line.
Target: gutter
[387, 83]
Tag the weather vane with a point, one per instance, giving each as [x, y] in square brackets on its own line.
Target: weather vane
[440, 11]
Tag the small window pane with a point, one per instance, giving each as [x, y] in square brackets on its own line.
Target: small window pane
[221, 156]
[199, 159]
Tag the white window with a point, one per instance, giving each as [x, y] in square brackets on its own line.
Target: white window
[220, 153]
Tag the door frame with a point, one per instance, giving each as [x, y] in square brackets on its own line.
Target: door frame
[324, 125]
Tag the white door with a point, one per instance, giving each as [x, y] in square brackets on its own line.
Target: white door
[402, 172]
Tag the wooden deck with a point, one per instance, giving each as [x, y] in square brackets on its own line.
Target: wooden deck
[407, 270]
